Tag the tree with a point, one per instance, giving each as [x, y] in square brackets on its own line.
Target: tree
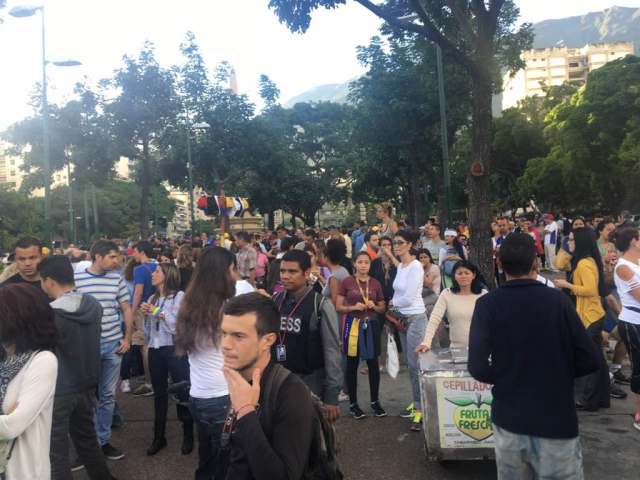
[478, 35]
[146, 105]
[19, 216]
[593, 139]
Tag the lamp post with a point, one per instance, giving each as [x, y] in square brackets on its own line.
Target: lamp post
[29, 11]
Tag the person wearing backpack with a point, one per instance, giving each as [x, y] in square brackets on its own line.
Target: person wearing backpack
[308, 342]
[275, 428]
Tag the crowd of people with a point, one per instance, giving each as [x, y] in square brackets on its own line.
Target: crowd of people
[257, 338]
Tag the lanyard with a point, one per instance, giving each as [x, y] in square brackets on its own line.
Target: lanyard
[290, 315]
[365, 296]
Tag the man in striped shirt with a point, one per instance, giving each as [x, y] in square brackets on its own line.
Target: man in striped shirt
[102, 281]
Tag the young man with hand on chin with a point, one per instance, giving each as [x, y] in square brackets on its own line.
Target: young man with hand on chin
[269, 427]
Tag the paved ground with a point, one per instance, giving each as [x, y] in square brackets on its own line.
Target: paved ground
[381, 449]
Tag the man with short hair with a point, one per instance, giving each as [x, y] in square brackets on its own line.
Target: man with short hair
[102, 281]
[371, 244]
[28, 254]
[309, 236]
[144, 254]
[550, 242]
[308, 343]
[78, 320]
[432, 241]
[275, 443]
[247, 257]
[531, 356]
[504, 229]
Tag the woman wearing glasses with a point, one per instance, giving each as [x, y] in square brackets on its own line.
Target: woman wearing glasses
[407, 302]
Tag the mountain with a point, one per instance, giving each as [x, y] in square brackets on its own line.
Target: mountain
[615, 24]
[335, 92]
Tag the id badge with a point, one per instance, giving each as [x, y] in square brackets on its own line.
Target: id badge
[281, 353]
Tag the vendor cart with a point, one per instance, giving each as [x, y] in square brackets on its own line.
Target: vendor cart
[457, 408]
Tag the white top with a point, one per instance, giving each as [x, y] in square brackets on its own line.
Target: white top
[243, 286]
[407, 289]
[545, 281]
[32, 391]
[624, 291]
[207, 379]
[81, 266]
[551, 239]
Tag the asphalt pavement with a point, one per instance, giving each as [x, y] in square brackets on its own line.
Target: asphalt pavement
[379, 448]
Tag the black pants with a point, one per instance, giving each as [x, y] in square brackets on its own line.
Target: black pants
[630, 335]
[73, 417]
[592, 391]
[352, 378]
[162, 363]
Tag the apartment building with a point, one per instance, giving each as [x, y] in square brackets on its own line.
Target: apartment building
[555, 66]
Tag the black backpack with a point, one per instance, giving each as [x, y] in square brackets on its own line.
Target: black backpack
[323, 462]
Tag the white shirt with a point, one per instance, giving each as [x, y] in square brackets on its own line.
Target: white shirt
[207, 379]
[243, 286]
[32, 390]
[81, 266]
[624, 290]
[551, 238]
[407, 289]
[545, 281]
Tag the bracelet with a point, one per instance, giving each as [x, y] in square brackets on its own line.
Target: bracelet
[248, 405]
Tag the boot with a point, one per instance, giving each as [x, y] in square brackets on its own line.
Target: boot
[157, 445]
[187, 439]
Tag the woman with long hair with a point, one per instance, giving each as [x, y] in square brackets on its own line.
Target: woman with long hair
[449, 255]
[361, 300]
[627, 279]
[185, 261]
[383, 269]
[198, 336]
[388, 226]
[334, 256]
[457, 303]
[588, 287]
[28, 374]
[160, 314]
[408, 305]
[432, 280]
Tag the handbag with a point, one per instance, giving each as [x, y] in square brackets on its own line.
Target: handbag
[393, 359]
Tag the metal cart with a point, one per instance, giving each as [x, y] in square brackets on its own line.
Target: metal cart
[457, 408]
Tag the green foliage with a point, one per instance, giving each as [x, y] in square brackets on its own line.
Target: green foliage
[20, 215]
[593, 139]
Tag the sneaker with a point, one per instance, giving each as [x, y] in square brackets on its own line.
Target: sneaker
[125, 386]
[617, 392]
[355, 411]
[111, 452]
[378, 411]
[416, 425]
[77, 465]
[343, 397]
[409, 411]
[636, 421]
[620, 377]
[143, 390]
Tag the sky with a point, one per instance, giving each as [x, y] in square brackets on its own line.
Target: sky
[244, 32]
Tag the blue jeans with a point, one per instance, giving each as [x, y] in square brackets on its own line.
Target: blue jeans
[209, 415]
[523, 457]
[109, 373]
[410, 340]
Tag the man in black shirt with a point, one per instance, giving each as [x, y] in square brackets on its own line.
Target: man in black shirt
[528, 342]
[268, 431]
[308, 343]
[28, 253]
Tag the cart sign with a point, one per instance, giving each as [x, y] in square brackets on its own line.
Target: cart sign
[464, 411]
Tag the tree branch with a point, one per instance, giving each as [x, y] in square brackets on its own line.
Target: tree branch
[462, 18]
[428, 30]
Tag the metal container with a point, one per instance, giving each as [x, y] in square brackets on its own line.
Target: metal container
[456, 408]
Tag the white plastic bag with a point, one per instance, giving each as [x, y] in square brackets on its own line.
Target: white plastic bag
[393, 361]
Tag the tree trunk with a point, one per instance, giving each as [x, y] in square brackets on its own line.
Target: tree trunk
[412, 201]
[145, 181]
[271, 223]
[478, 184]
[94, 203]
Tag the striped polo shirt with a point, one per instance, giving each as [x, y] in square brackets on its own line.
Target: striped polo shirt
[110, 290]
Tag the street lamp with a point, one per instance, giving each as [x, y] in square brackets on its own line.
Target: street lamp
[195, 127]
[29, 11]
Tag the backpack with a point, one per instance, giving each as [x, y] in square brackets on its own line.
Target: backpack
[323, 462]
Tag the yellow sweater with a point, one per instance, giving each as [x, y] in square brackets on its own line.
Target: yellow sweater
[585, 288]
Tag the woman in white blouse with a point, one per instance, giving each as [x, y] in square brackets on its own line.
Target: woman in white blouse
[28, 373]
[160, 315]
[407, 302]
